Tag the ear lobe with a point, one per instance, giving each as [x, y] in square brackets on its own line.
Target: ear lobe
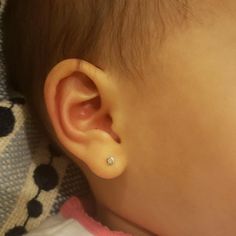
[77, 97]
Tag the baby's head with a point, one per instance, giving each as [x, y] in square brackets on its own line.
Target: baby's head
[141, 94]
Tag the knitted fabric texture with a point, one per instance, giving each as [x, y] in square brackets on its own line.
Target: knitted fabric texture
[34, 179]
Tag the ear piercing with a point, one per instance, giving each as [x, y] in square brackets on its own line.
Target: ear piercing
[110, 160]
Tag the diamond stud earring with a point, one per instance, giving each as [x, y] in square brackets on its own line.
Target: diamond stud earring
[110, 160]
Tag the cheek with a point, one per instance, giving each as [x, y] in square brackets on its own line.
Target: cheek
[181, 149]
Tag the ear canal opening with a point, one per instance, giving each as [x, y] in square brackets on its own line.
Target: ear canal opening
[95, 104]
[87, 108]
[114, 135]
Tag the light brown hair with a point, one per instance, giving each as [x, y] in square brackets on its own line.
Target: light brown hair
[40, 33]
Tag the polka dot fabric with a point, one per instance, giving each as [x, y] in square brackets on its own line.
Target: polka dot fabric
[35, 179]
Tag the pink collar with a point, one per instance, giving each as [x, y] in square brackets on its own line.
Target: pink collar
[74, 209]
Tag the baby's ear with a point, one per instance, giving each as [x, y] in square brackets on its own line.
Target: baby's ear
[82, 106]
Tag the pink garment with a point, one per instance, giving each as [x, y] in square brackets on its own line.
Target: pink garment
[74, 209]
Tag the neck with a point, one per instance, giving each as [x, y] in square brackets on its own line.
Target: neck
[117, 223]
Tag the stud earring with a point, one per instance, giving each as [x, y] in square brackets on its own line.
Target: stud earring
[110, 160]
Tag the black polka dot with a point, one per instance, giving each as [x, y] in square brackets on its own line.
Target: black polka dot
[7, 121]
[16, 231]
[46, 177]
[34, 208]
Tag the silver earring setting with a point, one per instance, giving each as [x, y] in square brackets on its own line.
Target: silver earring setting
[110, 160]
